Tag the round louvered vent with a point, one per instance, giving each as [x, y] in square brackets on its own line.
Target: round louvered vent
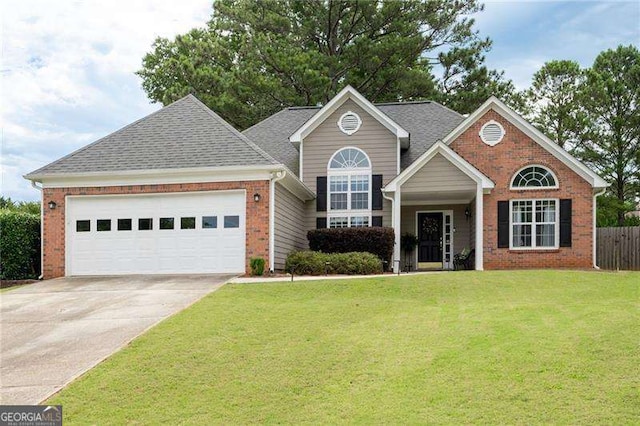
[349, 123]
[491, 133]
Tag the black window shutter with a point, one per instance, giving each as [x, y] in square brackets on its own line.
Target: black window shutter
[376, 221]
[321, 222]
[321, 190]
[503, 224]
[565, 223]
[376, 194]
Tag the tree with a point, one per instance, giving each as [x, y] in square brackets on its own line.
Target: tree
[610, 96]
[256, 57]
[32, 207]
[552, 102]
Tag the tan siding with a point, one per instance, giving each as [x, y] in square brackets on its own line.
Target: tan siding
[290, 233]
[372, 137]
[462, 226]
[438, 175]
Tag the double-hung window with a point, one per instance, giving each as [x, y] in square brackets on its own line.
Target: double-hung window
[534, 224]
[349, 173]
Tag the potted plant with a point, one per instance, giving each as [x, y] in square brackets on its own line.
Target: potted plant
[408, 243]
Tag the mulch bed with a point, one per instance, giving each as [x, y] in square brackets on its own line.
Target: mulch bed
[13, 283]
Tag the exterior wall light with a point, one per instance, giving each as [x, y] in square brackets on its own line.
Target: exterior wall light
[467, 213]
[52, 205]
[256, 197]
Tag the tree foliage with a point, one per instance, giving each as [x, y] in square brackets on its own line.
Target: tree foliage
[553, 102]
[610, 97]
[32, 207]
[256, 57]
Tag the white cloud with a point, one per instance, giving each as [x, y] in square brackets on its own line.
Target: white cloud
[68, 74]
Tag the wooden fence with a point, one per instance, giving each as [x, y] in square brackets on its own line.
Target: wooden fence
[618, 248]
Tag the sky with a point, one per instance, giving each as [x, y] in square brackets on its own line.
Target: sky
[68, 65]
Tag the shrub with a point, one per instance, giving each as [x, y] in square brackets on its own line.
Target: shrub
[376, 240]
[19, 245]
[257, 265]
[318, 263]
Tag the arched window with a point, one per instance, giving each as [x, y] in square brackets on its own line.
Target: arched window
[349, 189]
[534, 177]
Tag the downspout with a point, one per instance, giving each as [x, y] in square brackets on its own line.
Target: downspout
[39, 188]
[595, 206]
[393, 213]
[275, 177]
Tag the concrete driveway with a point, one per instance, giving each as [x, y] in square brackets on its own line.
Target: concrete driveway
[53, 331]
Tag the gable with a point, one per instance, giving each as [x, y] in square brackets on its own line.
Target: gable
[439, 174]
[516, 150]
[508, 115]
[373, 138]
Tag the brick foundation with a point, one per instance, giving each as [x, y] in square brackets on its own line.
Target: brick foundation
[257, 216]
[500, 163]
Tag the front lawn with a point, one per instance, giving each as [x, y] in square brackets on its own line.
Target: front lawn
[467, 347]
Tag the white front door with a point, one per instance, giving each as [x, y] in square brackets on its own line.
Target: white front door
[199, 232]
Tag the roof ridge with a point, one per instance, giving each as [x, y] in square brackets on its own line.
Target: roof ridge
[84, 148]
[235, 131]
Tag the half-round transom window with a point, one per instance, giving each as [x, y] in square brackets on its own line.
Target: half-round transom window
[349, 122]
[492, 133]
[349, 158]
[534, 177]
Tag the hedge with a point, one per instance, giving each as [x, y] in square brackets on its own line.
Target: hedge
[19, 245]
[376, 240]
[317, 263]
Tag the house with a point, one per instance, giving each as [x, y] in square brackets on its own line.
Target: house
[182, 191]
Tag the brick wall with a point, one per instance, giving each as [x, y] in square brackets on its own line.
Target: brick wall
[257, 216]
[500, 163]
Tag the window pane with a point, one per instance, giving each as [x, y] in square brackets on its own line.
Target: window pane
[124, 225]
[145, 224]
[83, 225]
[359, 221]
[232, 221]
[359, 183]
[104, 225]
[545, 235]
[534, 177]
[338, 222]
[338, 183]
[522, 212]
[166, 223]
[209, 222]
[546, 211]
[521, 235]
[360, 200]
[338, 201]
[187, 223]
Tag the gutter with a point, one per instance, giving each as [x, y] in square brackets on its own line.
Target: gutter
[39, 188]
[275, 177]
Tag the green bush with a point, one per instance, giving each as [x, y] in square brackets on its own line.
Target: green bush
[257, 266]
[317, 263]
[376, 240]
[19, 245]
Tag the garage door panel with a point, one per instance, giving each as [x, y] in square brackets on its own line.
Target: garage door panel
[199, 250]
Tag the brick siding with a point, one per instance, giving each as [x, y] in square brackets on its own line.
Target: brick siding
[257, 216]
[500, 163]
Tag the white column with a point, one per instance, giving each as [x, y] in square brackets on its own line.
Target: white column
[479, 228]
[395, 217]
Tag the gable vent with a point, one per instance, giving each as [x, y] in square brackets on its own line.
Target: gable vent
[492, 133]
[349, 123]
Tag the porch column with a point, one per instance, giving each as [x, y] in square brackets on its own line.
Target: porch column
[479, 228]
[395, 218]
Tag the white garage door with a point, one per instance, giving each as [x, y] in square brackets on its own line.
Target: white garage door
[156, 234]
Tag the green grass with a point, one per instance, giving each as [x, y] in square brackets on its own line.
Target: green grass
[492, 347]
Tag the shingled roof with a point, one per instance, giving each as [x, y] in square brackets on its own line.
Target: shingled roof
[184, 134]
[426, 122]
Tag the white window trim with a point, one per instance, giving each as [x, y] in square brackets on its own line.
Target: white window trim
[533, 188]
[360, 171]
[491, 143]
[533, 247]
